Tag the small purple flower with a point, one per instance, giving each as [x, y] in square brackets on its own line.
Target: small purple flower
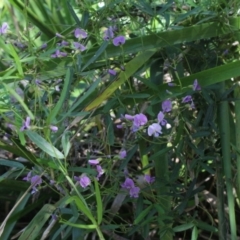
[59, 35]
[171, 84]
[38, 82]
[134, 192]
[112, 72]
[119, 126]
[4, 28]
[117, 41]
[140, 120]
[122, 154]
[187, 99]
[166, 106]
[58, 54]
[128, 184]
[64, 43]
[80, 33]
[100, 171]
[196, 86]
[54, 128]
[44, 46]
[192, 105]
[108, 34]
[93, 162]
[28, 177]
[26, 124]
[149, 179]
[154, 129]
[84, 181]
[79, 46]
[161, 119]
[36, 180]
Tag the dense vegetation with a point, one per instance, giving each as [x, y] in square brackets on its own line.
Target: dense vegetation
[119, 119]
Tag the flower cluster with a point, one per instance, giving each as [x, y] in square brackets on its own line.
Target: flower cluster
[35, 180]
[130, 186]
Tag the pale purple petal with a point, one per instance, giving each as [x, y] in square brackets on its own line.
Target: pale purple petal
[4, 28]
[120, 40]
[187, 99]
[59, 35]
[79, 46]
[149, 179]
[122, 154]
[140, 120]
[80, 33]
[100, 171]
[160, 116]
[112, 72]
[26, 124]
[54, 128]
[154, 129]
[134, 192]
[108, 34]
[93, 162]
[166, 106]
[44, 46]
[196, 86]
[128, 184]
[84, 181]
[36, 180]
[28, 177]
[129, 117]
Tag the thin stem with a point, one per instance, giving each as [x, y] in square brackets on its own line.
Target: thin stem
[226, 158]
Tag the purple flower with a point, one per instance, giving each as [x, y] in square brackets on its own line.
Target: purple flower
[58, 54]
[166, 106]
[26, 124]
[154, 129]
[134, 192]
[59, 35]
[149, 179]
[112, 72]
[100, 171]
[80, 33]
[93, 162]
[161, 119]
[196, 86]
[44, 46]
[4, 28]
[36, 180]
[187, 99]
[140, 120]
[79, 46]
[171, 84]
[122, 154]
[120, 40]
[108, 34]
[119, 126]
[128, 184]
[84, 181]
[54, 128]
[28, 177]
[63, 43]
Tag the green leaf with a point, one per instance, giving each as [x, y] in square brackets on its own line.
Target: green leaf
[44, 145]
[183, 227]
[16, 59]
[142, 215]
[99, 202]
[34, 227]
[194, 233]
[11, 163]
[66, 145]
[130, 69]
